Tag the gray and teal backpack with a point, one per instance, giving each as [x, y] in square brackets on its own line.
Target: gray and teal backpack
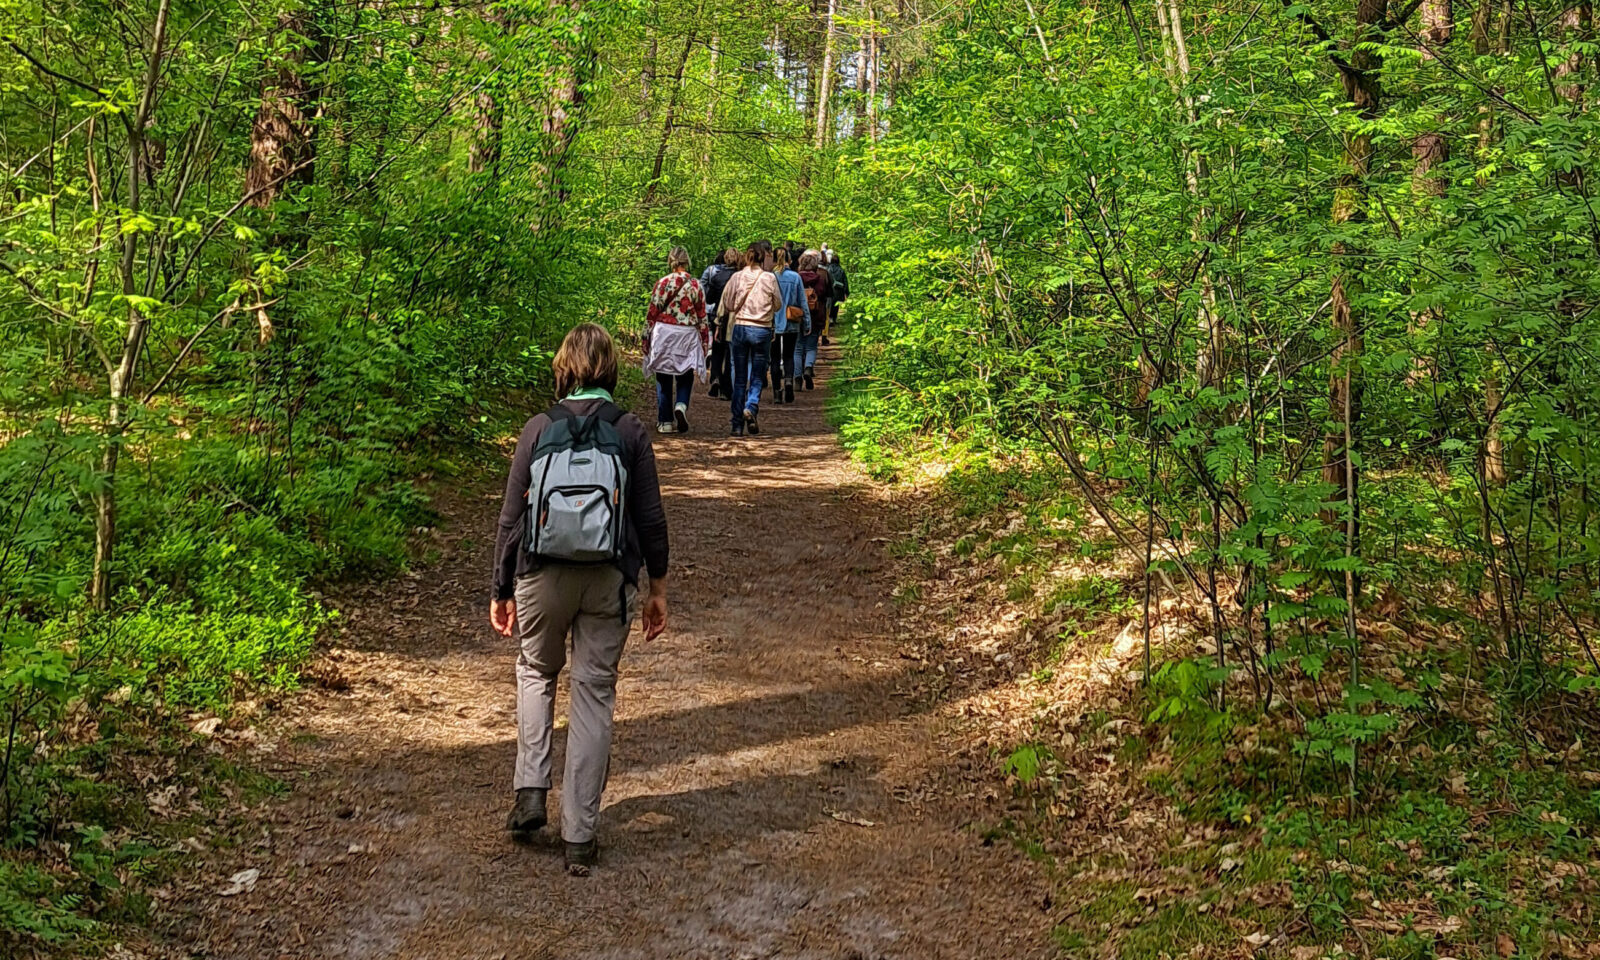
[579, 489]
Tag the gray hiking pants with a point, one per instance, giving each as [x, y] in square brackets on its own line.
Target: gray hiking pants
[588, 602]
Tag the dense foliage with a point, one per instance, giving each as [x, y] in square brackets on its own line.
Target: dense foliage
[1296, 304]
[1195, 273]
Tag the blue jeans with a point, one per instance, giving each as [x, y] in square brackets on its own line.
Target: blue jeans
[670, 393]
[748, 347]
[805, 351]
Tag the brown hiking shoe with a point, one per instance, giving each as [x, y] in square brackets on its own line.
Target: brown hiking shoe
[528, 813]
[581, 857]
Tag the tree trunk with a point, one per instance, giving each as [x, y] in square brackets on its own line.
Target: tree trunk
[1175, 46]
[647, 73]
[825, 79]
[711, 110]
[282, 142]
[1577, 25]
[666, 126]
[1438, 23]
[564, 103]
[120, 377]
[488, 115]
[897, 65]
[1360, 82]
[1494, 446]
[1494, 461]
[858, 126]
[1430, 151]
[1479, 31]
[813, 67]
[872, 85]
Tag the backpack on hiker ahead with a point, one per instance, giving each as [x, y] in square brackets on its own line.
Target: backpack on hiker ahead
[841, 282]
[579, 488]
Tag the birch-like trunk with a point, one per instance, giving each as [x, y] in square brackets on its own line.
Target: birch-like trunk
[872, 85]
[858, 125]
[1175, 47]
[711, 110]
[120, 377]
[824, 80]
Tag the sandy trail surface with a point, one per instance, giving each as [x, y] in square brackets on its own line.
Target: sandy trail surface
[773, 791]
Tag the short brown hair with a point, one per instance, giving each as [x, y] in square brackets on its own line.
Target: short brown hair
[733, 258]
[587, 358]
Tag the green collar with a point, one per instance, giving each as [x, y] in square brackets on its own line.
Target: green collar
[592, 393]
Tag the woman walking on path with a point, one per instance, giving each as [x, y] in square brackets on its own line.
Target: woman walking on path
[676, 341]
[750, 302]
[713, 282]
[819, 298]
[841, 290]
[794, 320]
[540, 600]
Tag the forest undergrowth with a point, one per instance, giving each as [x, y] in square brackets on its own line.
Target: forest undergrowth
[268, 275]
[1198, 810]
[1251, 347]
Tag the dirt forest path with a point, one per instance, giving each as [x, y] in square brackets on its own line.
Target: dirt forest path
[772, 793]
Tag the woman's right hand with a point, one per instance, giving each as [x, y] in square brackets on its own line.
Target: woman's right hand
[503, 616]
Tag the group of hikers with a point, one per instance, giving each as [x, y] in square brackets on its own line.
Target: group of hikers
[583, 517]
[752, 321]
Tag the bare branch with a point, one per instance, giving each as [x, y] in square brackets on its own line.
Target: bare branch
[64, 78]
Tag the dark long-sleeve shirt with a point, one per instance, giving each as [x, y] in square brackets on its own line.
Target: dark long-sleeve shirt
[818, 282]
[646, 543]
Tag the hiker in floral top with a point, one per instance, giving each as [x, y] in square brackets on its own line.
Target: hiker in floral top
[676, 341]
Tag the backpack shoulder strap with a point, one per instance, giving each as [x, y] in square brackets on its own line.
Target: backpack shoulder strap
[584, 426]
[556, 414]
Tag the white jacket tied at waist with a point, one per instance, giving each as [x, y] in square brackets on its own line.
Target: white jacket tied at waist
[675, 349]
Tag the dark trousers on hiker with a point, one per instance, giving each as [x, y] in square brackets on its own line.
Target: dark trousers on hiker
[594, 606]
[719, 367]
[774, 366]
[783, 356]
[749, 347]
[671, 390]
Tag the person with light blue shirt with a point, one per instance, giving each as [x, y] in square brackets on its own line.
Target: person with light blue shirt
[793, 321]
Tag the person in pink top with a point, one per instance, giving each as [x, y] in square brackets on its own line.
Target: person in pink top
[676, 341]
[751, 302]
